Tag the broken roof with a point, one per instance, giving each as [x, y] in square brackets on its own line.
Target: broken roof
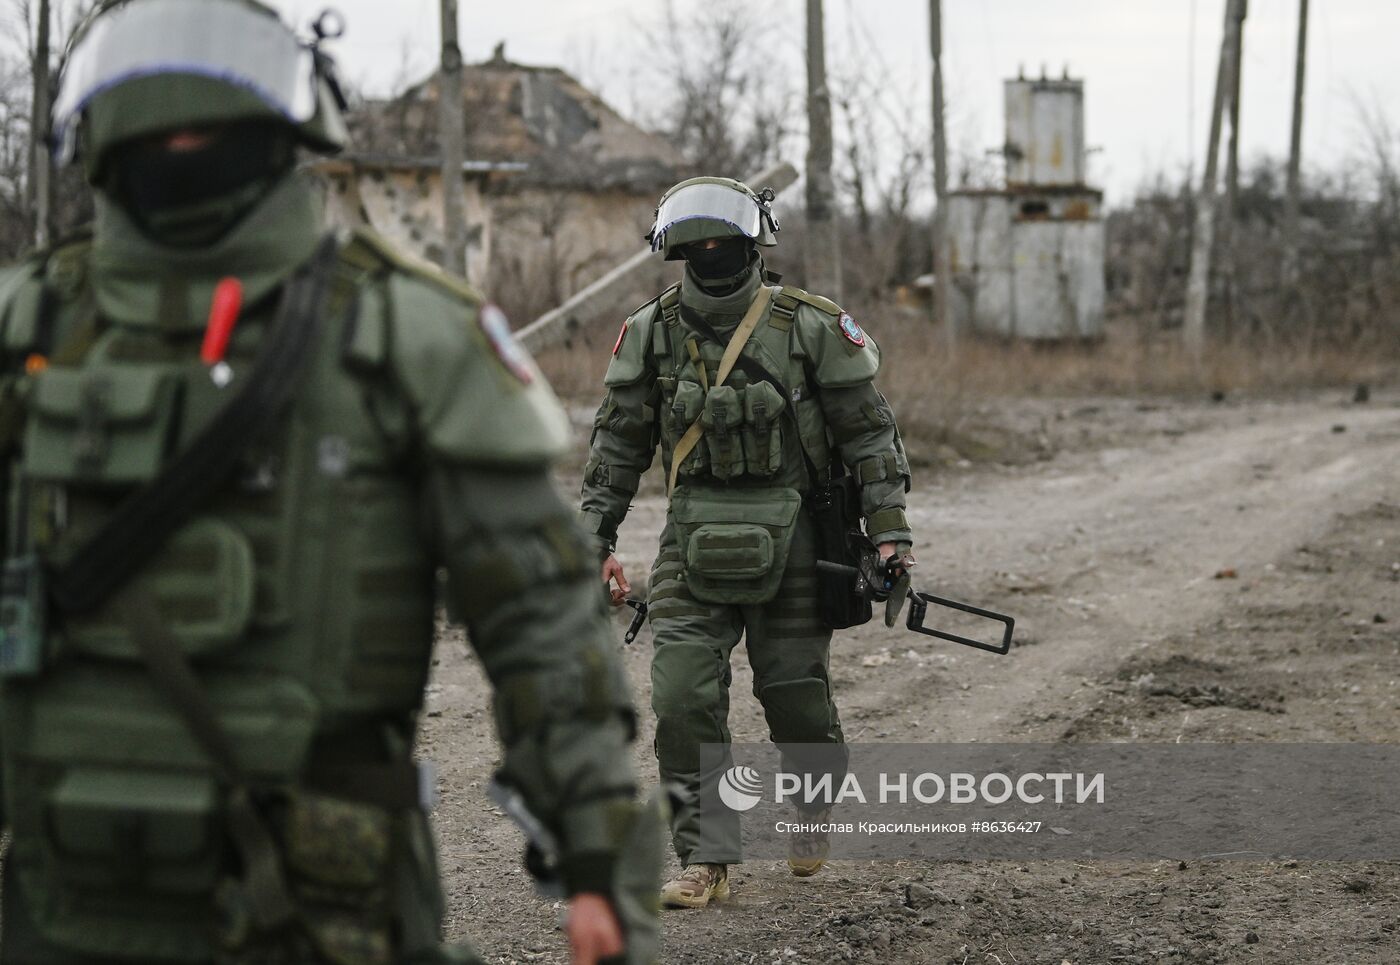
[542, 116]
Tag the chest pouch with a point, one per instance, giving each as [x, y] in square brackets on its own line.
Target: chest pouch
[202, 581]
[762, 431]
[735, 543]
[108, 426]
[723, 417]
[162, 827]
[686, 406]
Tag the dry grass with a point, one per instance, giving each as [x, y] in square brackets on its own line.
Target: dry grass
[937, 394]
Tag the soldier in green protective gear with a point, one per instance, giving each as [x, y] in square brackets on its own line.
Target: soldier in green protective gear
[238, 449]
[757, 395]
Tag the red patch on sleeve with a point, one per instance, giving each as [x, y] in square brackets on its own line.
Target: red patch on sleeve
[617, 346]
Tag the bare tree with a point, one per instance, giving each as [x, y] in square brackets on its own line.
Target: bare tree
[36, 202]
[730, 102]
[40, 159]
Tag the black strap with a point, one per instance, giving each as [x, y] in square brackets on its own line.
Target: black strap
[141, 525]
[269, 900]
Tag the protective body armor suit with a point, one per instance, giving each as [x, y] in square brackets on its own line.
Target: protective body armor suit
[302, 594]
[737, 553]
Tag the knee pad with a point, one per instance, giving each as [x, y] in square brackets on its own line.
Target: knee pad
[798, 711]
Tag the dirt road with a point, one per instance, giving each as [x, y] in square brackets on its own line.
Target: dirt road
[1226, 572]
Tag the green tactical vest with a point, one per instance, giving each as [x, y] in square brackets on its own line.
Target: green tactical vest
[766, 441]
[302, 594]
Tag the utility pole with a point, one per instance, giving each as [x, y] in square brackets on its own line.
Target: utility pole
[1295, 157]
[40, 160]
[942, 262]
[1232, 180]
[823, 245]
[1198, 281]
[452, 138]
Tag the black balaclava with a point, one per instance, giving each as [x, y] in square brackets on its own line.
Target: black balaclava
[194, 197]
[721, 269]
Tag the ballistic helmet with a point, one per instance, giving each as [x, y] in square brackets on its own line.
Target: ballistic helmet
[141, 67]
[701, 208]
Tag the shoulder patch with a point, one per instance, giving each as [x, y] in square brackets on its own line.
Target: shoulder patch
[497, 331]
[852, 330]
[622, 334]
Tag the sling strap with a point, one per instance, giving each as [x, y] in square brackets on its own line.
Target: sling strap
[146, 519]
[270, 902]
[737, 341]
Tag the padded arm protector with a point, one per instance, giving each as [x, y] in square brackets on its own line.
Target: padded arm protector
[861, 422]
[525, 583]
[478, 397]
[624, 438]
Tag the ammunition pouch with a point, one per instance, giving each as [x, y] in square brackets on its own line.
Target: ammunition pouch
[723, 414]
[734, 543]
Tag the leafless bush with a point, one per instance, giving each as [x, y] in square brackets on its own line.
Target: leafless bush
[1346, 291]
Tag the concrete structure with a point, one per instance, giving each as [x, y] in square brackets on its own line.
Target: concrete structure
[1028, 259]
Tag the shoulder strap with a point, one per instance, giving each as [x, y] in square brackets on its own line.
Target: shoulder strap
[143, 522]
[737, 341]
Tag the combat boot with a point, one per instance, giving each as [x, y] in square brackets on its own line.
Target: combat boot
[696, 886]
[807, 848]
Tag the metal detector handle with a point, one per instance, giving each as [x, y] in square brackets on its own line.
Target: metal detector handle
[918, 608]
[640, 617]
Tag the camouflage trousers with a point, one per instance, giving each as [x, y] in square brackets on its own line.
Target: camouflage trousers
[788, 648]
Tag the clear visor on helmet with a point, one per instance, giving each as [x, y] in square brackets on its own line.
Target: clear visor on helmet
[717, 202]
[221, 39]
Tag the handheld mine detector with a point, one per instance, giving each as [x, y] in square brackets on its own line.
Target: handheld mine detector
[875, 580]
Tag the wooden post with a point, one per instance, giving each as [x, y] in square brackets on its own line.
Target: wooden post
[1198, 281]
[1295, 157]
[823, 240]
[942, 260]
[1232, 182]
[452, 139]
[40, 158]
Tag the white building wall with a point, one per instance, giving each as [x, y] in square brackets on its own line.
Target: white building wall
[1038, 278]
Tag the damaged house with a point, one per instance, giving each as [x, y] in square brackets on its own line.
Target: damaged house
[559, 186]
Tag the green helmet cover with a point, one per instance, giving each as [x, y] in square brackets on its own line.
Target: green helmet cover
[693, 211]
[155, 100]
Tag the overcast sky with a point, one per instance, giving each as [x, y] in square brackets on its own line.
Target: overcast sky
[1146, 103]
